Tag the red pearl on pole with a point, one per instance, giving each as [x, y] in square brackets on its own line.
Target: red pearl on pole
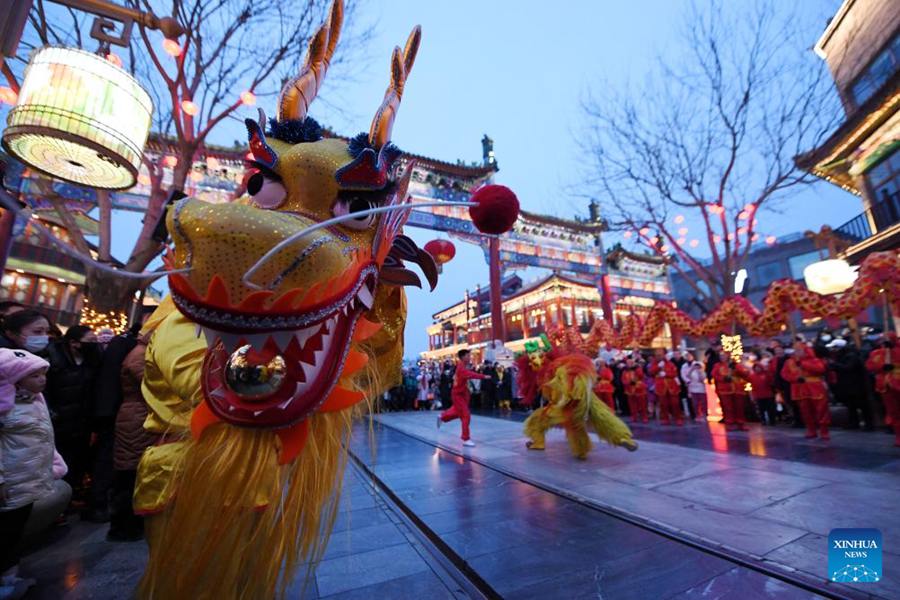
[496, 210]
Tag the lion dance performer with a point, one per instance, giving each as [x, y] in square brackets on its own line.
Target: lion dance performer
[731, 379]
[566, 378]
[884, 363]
[665, 378]
[286, 312]
[806, 374]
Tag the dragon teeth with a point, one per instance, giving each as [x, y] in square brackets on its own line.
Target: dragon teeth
[211, 336]
[303, 335]
[257, 341]
[365, 296]
[230, 340]
[283, 339]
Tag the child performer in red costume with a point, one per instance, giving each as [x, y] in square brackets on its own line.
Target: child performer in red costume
[731, 379]
[884, 363]
[806, 373]
[604, 387]
[635, 390]
[665, 375]
[459, 395]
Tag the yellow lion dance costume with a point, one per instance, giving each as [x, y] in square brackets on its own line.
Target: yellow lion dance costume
[566, 382]
[286, 312]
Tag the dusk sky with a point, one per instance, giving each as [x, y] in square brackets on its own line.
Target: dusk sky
[517, 71]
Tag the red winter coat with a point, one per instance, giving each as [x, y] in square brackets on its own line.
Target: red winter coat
[665, 378]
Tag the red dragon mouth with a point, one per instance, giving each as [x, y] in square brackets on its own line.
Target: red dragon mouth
[273, 361]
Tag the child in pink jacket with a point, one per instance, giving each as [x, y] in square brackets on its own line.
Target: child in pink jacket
[29, 463]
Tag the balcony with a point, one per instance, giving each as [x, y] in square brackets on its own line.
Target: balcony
[883, 214]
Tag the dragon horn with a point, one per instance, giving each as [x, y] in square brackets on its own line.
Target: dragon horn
[401, 65]
[299, 92]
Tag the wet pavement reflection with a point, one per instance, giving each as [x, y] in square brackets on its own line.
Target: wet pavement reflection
[527, 542]
[848, 449]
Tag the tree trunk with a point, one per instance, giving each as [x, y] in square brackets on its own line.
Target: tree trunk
[107, 293]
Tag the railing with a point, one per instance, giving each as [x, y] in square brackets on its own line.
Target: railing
[882, 214]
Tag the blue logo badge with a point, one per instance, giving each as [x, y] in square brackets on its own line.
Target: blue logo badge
[854, 555]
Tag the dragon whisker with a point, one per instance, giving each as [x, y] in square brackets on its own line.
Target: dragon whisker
[8, 203]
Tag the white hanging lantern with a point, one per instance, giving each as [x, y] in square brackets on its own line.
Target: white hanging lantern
[830, 276]
[79, 118]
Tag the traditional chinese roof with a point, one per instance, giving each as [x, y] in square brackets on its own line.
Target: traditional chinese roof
[162, 144]
[833, 159]
[584, 227]
[559, 277]
[617, 252]
[477, 171]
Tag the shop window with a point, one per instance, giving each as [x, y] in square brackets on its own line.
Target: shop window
[801, 261]
[879, 71]
[885, 180]
[768, 272]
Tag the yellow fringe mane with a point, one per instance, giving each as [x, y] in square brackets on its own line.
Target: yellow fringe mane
[240, 525]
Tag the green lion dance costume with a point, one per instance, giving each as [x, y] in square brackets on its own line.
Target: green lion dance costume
[565, 379]
[286, 313]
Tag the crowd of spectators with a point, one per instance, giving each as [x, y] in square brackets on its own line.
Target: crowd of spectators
[762, 393]
[71, 430]
[427, 385]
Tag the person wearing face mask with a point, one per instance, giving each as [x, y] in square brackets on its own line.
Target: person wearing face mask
[26, 330]
[74, 361]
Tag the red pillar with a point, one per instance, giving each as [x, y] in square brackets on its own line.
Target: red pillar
[605, 296]
[497, 329]
[7, 222]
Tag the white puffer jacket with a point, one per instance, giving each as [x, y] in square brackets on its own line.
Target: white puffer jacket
[28, 459]
[694, 377]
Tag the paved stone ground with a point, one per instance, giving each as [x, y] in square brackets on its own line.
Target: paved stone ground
[768, 509]
[370, 555]
[527, 542]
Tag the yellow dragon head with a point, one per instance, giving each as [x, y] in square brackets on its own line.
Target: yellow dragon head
[289, 330]
[298, 290]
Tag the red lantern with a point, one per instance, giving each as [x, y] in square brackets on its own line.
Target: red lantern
[442, 251]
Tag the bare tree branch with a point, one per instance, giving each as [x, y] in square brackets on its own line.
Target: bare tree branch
[711, 136]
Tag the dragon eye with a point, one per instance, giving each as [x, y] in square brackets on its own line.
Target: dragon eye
[349, 203]
[266, 192]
